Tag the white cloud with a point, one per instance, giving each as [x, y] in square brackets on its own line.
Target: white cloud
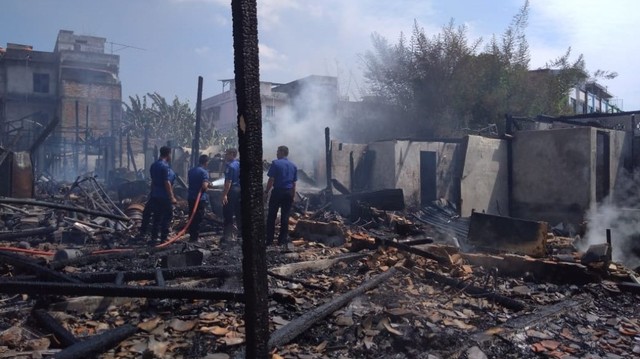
[270, 58]
[202, 50]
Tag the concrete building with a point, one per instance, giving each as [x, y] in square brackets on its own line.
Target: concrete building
[222, 109]
[554, 175]
[584, 98]
[77, 85]
[303, 98]
[591, 97]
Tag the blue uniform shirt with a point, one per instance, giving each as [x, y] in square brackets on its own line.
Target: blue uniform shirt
[284, 173]
[232, 172]
[197, 175]
[160, 173]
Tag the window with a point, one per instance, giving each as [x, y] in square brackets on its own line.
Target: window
[271, 111]
[41, 83]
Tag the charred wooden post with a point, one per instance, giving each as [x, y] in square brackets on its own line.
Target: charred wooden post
[327, 153]
[50, 323]
[31, 266]
[509, 138]
[97, 344]
[299, 325]
[76, 146]
[196, 137]
[119, 280]
[254, 263]
[111, 290]
[610, 255]
[160, 282]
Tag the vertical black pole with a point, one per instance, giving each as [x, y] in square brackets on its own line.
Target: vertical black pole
[509, 139]
[145, 145]
[254, 264]
[633, 139]
[327, 152]
[86, 140]
[352, 169]
[196, 137]
[76, 152]
[609, 244]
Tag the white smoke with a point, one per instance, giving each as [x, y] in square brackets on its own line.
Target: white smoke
[301, 125]
[621, 214]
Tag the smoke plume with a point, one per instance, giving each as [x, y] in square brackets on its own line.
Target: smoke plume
[620, 213]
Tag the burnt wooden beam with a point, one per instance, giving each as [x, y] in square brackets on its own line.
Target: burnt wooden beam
[316, 265]
[25, 233]
[32, 202]
[475, 291]
[95, 258]
[297, 281]
[112, 290]
[512, 265]
[41, 271]
[301, 324]
[409, 249]
[48, 322]
[97, 344]
[168, 274]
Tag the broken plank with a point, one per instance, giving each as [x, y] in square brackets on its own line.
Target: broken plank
[541, 270]
[475, 291]
[316, 265]
[299, 325]
[25, 263]
[168, 274]
[409, 249]
[50, 323]
[97, 344]
[25, 233]
[297, 281]
[111, 290]
[90, 304]
[62, 207]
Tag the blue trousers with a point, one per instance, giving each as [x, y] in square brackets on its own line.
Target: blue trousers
[158, 211]
[281, 199]
[229, 211]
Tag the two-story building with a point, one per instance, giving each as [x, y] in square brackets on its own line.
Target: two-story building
[76, 85]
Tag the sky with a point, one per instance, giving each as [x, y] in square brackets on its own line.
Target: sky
[164, 45]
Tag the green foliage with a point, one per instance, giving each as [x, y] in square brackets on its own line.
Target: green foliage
[446, 86]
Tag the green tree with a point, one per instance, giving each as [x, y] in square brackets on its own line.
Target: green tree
[445, 85]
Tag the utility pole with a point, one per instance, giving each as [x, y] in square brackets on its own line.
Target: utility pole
[196, 138]
[76, 147]
[254, 263]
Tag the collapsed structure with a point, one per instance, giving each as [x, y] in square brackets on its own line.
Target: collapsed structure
[440, 248]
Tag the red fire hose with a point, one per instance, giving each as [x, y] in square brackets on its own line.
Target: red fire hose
[173, 239]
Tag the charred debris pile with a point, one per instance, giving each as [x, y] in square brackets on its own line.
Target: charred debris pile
[385, 281]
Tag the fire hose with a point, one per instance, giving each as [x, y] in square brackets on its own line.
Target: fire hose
[173, 239]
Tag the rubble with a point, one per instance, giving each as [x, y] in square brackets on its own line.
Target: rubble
[390, 283]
